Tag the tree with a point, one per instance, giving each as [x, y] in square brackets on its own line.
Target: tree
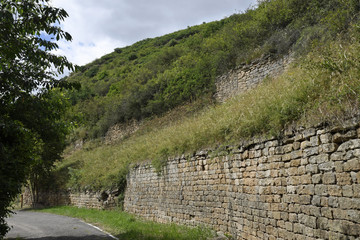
[51, 130]
[29, 125]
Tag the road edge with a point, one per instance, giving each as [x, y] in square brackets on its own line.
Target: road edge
[91, 225]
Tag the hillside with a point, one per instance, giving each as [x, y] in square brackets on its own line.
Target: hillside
[155, 75]
[169, 83]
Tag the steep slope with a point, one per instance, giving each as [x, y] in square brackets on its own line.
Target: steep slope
[156, 76]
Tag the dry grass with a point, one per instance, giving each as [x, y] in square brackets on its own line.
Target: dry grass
[321, 87]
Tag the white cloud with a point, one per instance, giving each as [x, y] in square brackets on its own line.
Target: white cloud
[97, 27]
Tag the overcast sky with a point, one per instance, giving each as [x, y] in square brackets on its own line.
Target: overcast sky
[97, 27]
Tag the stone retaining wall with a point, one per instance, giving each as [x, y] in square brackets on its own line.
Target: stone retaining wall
[55, 198]
[248, 76]
[88, 199]
[303, 186]
[98, 200]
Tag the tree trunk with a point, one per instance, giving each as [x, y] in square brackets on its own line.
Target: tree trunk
[34, 190]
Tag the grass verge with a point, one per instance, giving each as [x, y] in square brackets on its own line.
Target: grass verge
[126, 226]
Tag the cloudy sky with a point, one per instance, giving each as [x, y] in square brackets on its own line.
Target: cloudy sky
[97, 27]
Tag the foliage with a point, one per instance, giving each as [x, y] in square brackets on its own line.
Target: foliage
[25, 76]
[125, 226]
[154, 76]
[51, 130]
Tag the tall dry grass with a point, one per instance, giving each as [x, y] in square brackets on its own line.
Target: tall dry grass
[324, 86]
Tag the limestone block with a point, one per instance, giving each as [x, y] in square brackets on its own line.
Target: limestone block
[327, 166]
[298, 228]
[312, 168]
[310, 152]
[296, 145]
[356, 192]
[355, 176]
[352, 165]
[329, 147]
[296, 154]
[314, 141]
[321, 190]
[287, 148]
[307, 133]
[293, 218]
[306, 189]
[343, 179]
[326, 138]
[303, 199]
[292, 171]
[327, 212]
[299, 137]
[337, 156]
[351, 144]
[347, 191]
[339, 166]
[328, 178]
[322, 158]
[295, 163]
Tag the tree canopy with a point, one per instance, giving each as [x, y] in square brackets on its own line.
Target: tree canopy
[31, 126]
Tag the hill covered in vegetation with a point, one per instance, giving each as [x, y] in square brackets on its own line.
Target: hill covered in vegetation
[156, 75]
[169, 82]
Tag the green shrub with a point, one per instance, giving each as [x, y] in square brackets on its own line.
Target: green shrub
[118, 50]
[92, 71]
[133, 57]
[102, 75]
[281, 42]
[172, 42]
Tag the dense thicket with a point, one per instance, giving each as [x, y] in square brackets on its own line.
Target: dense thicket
[155, 75]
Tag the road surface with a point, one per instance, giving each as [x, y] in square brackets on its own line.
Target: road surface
[45, 226]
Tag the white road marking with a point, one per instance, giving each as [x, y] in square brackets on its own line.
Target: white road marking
[100, 230]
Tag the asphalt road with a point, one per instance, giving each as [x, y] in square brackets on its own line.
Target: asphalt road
[45, 226]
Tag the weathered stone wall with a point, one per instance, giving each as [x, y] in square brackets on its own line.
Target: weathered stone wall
[53, 198]
[88, 199]
[247, 76]
[121, 130]
[99, 200]
[304, 186]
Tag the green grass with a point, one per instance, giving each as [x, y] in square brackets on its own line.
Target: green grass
[126, 226]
